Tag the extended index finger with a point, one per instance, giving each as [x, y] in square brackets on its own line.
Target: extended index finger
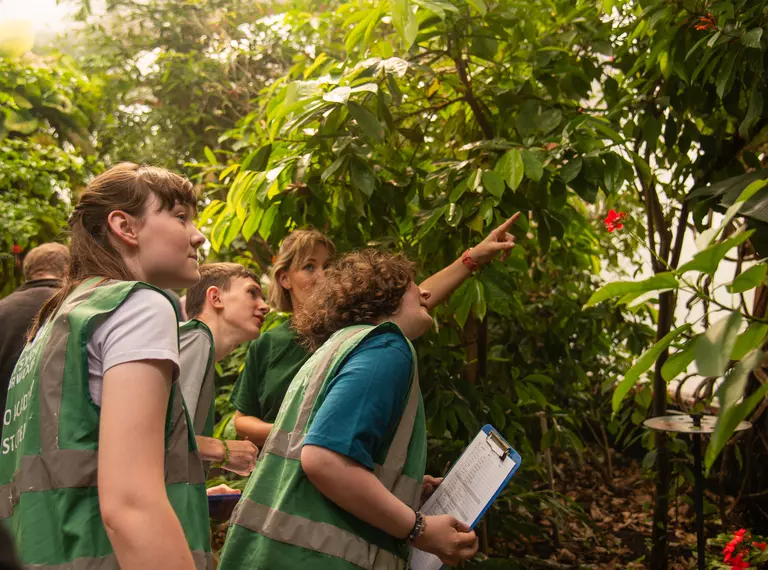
[505, 226]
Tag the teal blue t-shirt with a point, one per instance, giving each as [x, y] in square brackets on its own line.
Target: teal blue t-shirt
[365, 400]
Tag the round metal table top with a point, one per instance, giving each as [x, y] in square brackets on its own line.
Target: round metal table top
[680, 423]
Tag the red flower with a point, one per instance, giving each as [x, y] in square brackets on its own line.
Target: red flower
[739, 563]
[613, 220]
[740, 533]
[17, 249]
[759, 545]
[706, 23]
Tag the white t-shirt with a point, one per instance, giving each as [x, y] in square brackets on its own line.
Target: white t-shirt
[144, 327]
[195, 350]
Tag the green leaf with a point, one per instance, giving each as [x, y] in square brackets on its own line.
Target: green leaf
[707, 260]
[714, 347]
[210, 210]
[643, 363]
[233, 230]
[362, 31]
[258, 159]
[433, 218]
[751, 338]
[730, 416]
[754, 112]
[333, 168]
[338, 95]
[210, 156]
[612, 174]
[405, 22]
[751, 39]
[510, 168]
[708, 236]
[252, 223]
[479, 6]
[362, 176]
[534, 169]
[571, 170]
[479, 306]
[493, 183]
[678, 362]
[458, 191]
[662, 281]
[750, 279]
[366, 120]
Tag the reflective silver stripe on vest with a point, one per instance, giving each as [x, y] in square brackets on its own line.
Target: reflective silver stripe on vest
[202, 560]
[319, 537]
[288, 444]
[60, 469]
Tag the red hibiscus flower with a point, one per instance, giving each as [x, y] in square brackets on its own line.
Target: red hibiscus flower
[613, 220]
[759, 545]
[17, 249]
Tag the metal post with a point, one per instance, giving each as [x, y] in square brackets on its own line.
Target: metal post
[698, 491]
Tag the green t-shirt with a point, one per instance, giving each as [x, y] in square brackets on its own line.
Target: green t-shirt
[273, 360]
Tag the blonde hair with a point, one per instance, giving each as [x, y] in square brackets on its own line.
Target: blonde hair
[293, 252]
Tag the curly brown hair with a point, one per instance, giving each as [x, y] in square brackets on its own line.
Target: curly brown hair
[361, 287]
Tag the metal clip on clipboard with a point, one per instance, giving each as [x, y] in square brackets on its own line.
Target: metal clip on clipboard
[498, 445]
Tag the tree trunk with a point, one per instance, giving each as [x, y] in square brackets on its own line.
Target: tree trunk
[664, 471]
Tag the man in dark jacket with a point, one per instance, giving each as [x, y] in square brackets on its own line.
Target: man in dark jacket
[44, 267]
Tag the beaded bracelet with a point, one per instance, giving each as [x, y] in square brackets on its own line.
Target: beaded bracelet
[418, 527]
[224, 461]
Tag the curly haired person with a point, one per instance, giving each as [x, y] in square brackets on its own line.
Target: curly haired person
[342, 472]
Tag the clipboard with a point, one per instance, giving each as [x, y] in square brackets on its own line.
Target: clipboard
[469, 489]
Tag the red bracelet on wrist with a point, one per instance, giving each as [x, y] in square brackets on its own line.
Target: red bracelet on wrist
[470, 263]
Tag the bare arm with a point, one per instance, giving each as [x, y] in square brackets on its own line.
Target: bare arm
[357, 490]
[141, 525]
[252, 428]
[448, 279]
[242, 454]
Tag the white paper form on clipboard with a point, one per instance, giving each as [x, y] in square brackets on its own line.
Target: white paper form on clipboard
[471, 486]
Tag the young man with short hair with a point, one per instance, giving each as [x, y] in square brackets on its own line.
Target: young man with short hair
[226, 308]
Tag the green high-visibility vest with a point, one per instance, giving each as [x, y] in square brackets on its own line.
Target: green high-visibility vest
[283, 521]
[49, 453]
[204, 420]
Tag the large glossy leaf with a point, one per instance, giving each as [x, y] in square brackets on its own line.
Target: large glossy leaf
[642, 364]
[366, 120]
[660, 282]
[708, 236]
[534, 169]
[362, 176]
[404, 21]
[678, 362]
[732, 413]
[493, 183]
[511, 168]
[750, 339]
[749, 279]
[707, 260]
[714, 347]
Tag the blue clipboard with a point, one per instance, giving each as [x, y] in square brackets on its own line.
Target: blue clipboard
[505, 453]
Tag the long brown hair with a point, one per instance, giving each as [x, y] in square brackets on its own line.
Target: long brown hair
[126, 187]
[360, 288]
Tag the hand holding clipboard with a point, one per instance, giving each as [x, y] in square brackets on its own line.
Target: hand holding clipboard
[471, 486]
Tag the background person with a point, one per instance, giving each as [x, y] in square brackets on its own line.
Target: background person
[275, 358]
[342, 471]
[91, 391]
[226, 308]
[44, 267]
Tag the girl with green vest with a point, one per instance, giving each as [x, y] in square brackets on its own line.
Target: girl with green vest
[275, 358]
[341, 476]
[94, 474]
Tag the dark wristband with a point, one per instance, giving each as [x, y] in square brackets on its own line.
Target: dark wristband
[418, 527]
